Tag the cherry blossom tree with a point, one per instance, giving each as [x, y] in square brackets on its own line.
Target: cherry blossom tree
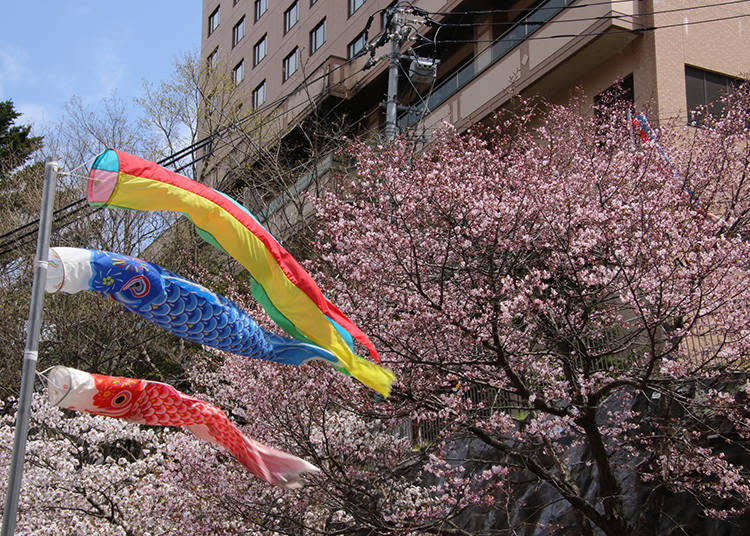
[567, 316]
[565, 298]
[89, 475]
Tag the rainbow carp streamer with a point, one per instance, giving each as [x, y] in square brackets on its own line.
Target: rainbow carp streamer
[158, 404]
[282, 287]
[175, 304]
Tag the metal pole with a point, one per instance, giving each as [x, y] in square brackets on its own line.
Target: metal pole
[391, 127]
[10, 513]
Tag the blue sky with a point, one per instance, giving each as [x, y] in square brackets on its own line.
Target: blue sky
[51, 50]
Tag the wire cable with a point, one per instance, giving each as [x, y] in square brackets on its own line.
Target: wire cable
[584, 19]
[24, 226]
[62, 224]
[588, 34]
[192, 148]
[429, 42]
[519, 9]
[171, 159]
[545, 8]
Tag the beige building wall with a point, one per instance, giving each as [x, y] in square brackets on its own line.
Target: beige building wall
[341, 29]
[627, 45]
[722, 46]
[588, 45]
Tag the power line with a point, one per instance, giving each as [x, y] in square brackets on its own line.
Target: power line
[588, 34]
[307, 81]
[582, 19]
[418, 11]
[22, 227]
[86, 215]
[171, 159]
[199, 144]
[430, 42]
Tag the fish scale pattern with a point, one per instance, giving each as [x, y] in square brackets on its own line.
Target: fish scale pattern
[191, 311]
[163, 405]
[201, 316]
[159, 404]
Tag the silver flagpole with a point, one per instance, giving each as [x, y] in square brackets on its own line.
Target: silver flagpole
[32, 346]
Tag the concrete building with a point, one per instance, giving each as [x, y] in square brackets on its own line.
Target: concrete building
[293, 60]
[487, 50]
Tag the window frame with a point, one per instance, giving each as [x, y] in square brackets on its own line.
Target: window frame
[260, 7]
[286, 73]
[313, 35]
[350, 52]
[711, 103]
[239, 68]
[212, 60]
[256, 47]
[288, 22]
[354, 5]
[256, 92]
[235, 31]
[215, 15]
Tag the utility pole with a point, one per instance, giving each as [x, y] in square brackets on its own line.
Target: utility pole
[391, 126]
[32, 349]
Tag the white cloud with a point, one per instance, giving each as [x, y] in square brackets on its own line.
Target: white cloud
[15, 75]
[108, 67]
[13, 69]
[32, 113]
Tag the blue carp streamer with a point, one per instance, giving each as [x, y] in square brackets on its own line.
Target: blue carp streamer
[180, 306]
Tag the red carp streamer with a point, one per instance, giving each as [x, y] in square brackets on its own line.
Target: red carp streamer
[154, 403]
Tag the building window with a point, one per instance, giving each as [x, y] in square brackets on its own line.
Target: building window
[356, 46]
[213, 21]
[238, 73]
[291, 16]
[212, 61]
[622, 91]
[238, 32]
[261, 6]
[318, 36]
[259, 51]
[354, 5]
[704, 90]
[291, 63]
[259, 95]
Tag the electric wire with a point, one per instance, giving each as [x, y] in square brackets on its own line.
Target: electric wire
[226, 142]
[587, 34]
[93, 210]
[582, 19]
[26, 225]
[17, 242]
[306, 82]
[535, 8]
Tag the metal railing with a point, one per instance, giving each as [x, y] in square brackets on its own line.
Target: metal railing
[518, 33]
[487, 401]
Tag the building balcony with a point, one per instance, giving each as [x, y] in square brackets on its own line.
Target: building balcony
[548, 49]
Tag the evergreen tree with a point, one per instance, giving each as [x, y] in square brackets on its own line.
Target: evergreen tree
[15, 143]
